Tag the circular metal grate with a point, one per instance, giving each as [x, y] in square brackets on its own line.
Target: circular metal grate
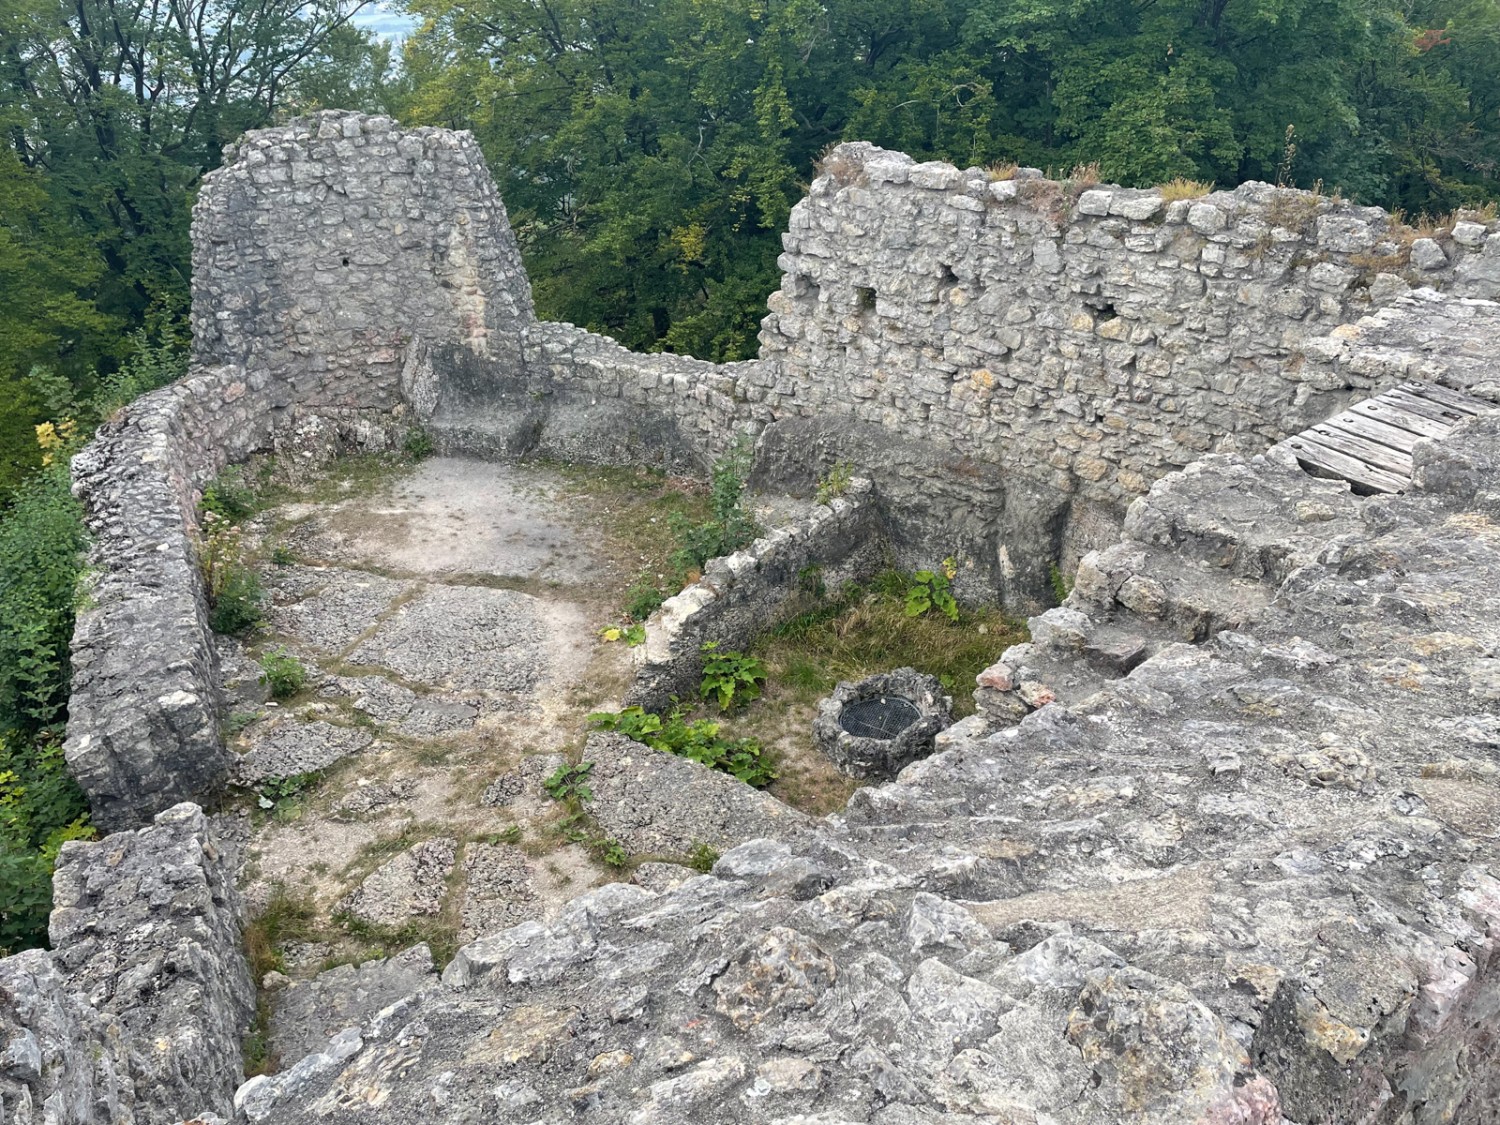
[885, 717]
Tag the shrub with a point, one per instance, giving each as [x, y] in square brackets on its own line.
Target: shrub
[730, 677]
[40, 808]
[699, 740]
[419, 444]
[282, 673]
[41, 559]
[642, 600]
[229, 496]
[568, 783]
[729, 528]
[235, 597]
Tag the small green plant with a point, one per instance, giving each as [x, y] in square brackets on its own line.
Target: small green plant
[729, 528]
[570, 783]
[703, 857]
[730, 678]
[277, 791]
[932, 589]
[836, 483]
[229, 496]
[235, 597]
[282, 555]
[642, 600]
[611, 851]
[1061, 584]
[282, 673]
[699, 740]
[511, 835]
[239, 720]
[418, 444]
[633, 634]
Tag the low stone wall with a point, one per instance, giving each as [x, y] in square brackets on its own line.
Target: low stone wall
[744, 594]
[582, 397]
[136, 1017]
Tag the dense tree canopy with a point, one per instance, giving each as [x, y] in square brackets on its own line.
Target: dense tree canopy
[650, 149]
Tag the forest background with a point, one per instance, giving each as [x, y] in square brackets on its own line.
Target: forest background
[649, 152]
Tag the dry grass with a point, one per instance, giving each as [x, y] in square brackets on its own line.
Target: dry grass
[1294, 210]
[838, 167]
[1001, 170]
[1180, 188]
[1084, 175]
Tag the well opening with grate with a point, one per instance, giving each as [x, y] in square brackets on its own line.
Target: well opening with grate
[873, 728]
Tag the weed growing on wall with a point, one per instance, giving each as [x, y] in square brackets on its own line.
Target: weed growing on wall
[235, 598]
[835, 484]
[230, 497]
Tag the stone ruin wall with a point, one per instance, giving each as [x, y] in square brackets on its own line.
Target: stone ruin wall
[1008, 361]
[1060, 349]
[351, 278]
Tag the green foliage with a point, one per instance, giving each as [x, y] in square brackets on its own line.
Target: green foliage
[729, 527]
[730, 678]
[643, 599]
[932, 589]
[649, 163]
[40, 809]
[612, 852]
[419, 444]
[282, 673]
[632, 635]
[863, 630]
[230, 497]
[282, 555]
[703, 857]
[835, 484]
[283, 797]
[41, 559]
[570, 783]
[699, 740]
[1061, 584]
[235, 598]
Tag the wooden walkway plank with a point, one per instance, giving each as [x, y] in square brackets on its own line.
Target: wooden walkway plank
[1447, 397]
[1359, 426]
[1314, 455]
[1425, 407]
[1388, 412]
[1373, 453]
[1370, 445]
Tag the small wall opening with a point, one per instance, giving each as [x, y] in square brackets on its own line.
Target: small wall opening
[864, 298]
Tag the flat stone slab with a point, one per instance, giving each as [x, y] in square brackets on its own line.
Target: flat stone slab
[660, 804]
[522, 783]
[498, 890]
[329, 608]
[412, 884]
[461, 637]
[287, 747]
[398, 706]
[306, 1014]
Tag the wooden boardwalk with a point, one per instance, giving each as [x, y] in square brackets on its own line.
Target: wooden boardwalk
[1369, 445]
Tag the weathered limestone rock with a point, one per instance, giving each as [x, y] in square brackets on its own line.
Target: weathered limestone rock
[136, 1016]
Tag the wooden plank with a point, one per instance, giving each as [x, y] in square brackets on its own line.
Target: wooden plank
[1360, 426]
[1447, 397]
[1426, 407]
[1314, 455]
[1373, 453]
[1391, 413]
